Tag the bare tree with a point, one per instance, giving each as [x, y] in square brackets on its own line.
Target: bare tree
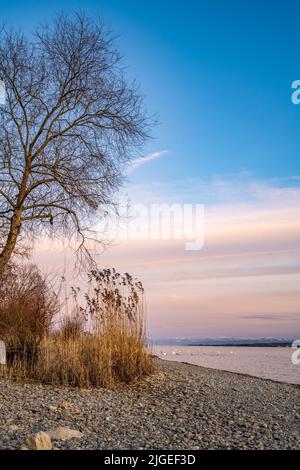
[69, 124]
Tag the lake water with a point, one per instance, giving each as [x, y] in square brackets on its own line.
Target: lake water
[268, 362]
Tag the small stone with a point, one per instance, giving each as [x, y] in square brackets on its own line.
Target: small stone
[52, 408]
[13, 427]
[66, 406]
[64, 433]
[296, 434]
[39, 441]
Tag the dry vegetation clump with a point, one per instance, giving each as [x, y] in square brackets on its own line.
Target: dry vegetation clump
[100, 345]
[28, 306]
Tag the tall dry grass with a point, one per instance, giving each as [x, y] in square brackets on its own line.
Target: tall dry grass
[112, 350]
[28, 306]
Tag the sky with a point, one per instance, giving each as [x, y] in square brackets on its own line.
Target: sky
[217, 76]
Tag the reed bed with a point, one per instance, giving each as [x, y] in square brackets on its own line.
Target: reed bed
[112, 350]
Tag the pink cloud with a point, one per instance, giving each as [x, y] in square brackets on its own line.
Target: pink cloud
[249, 267]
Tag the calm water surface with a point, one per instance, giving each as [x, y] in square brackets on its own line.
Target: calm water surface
[267, 362]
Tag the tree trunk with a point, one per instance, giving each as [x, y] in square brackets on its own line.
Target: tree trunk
[15, 227]
[15, 223]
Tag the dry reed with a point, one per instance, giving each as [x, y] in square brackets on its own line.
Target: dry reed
[112, 352]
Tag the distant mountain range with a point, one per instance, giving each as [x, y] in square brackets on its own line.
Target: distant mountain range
[258, 342]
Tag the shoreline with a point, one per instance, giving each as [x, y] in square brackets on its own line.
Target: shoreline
[233, 372]
[182, 406]
[274, 364]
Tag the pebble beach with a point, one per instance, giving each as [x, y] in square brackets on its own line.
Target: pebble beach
[180, 407]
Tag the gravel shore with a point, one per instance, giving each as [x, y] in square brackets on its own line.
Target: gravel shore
[181, 407]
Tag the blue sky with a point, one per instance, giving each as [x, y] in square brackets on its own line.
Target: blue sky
[217, 75]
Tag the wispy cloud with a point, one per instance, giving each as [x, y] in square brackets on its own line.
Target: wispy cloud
[270, 317]
[148, 158]
[241, 197]
[245, 282]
